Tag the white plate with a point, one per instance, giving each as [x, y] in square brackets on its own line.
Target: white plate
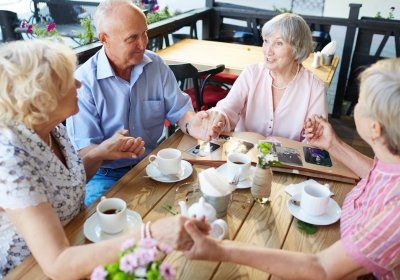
[155, 174]
[332, 214]
[243, 183]
[92, 230]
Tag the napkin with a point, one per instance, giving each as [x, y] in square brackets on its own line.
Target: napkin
[294, 189]
[329, 49]
[212, 183]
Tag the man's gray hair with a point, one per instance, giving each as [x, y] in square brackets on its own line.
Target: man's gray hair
[103, 11]
[294, 30]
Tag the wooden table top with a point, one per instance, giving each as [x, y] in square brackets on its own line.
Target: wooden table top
[265, 226]
[206, 54]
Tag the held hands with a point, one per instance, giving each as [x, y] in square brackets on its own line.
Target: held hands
[172, 231]
[204, 247]
[319, 132]
[120, 145]
[206, 125]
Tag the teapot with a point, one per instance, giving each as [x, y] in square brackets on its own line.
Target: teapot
[219, 227]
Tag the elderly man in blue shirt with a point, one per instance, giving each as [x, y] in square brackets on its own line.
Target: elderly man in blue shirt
[125, 86]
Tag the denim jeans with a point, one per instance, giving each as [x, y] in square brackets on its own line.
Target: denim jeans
[102, 181]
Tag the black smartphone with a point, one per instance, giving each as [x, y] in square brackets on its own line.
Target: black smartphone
[317, 156]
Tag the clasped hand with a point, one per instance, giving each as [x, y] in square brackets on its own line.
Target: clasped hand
[120, 145]
[207, 125]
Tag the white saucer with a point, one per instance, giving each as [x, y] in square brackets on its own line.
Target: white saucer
[155, 174]
[92, 230]
[243, 183]
[332, 214]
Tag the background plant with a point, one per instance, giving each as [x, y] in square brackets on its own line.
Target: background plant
[87, 36]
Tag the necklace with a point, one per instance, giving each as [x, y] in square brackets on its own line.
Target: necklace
[297, 72]
[50, 141]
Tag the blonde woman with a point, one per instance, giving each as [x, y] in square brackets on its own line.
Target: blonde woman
[42, 177]
[370, 233]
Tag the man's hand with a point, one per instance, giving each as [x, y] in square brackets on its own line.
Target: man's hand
[207, 125]
[120, 145]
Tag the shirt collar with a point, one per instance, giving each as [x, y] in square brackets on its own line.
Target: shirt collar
[105, 70]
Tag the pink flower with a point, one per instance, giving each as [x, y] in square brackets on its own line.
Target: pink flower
[165, 248]
[167, 271]
[23, 24]
[127, 244]
[128, 263]
[145, 256]
[148, 243]
[30, 27]
[99, 273]
[51, 26]
[155, 8]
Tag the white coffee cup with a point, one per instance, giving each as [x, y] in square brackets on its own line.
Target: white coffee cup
[168, 161]
[111, 213]
[238, 164]
[315, 199]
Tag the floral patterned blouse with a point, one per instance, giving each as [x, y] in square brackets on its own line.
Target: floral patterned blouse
[30, 174]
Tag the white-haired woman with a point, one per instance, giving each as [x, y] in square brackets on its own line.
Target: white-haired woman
[369, 225]
[277, 96]
[42, 178]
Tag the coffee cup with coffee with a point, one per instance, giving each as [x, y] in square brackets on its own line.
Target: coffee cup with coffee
[111, 213]
[315, 199]
[238, 164]
[167, 161]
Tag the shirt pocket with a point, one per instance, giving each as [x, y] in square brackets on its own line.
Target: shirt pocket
[153, 113]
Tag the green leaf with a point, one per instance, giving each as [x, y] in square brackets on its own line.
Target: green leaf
[307, 228]
[120, 276]
[112, 268]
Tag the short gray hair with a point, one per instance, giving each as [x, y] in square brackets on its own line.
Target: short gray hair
[380, 88]
[34, 74]
[105, 8]
[294, 30]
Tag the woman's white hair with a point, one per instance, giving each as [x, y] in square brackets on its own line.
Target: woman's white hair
[294, 30]
[102, 15]
[380, 94]
[34, 74]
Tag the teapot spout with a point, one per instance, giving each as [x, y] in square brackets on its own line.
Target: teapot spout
[183, 206]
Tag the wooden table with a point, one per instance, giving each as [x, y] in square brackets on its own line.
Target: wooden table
[206, 54]
[265, 226]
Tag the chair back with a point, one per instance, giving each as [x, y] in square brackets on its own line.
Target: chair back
[199, 84]
[8, 23]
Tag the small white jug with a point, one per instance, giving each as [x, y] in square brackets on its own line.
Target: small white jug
[219, 227]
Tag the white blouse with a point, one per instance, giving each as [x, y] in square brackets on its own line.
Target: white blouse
[30, 173]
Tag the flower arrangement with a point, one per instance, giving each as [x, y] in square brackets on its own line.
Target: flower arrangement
[49, 30]
[137, 261]
[265, 158]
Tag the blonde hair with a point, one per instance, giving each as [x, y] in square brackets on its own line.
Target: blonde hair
[294, 30]
[380, 94]
[34, 74]
[102, 15]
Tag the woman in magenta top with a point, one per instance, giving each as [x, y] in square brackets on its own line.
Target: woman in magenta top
[370, 219]
[275, 97]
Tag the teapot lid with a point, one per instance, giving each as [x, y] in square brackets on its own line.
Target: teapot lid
[202, 208]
